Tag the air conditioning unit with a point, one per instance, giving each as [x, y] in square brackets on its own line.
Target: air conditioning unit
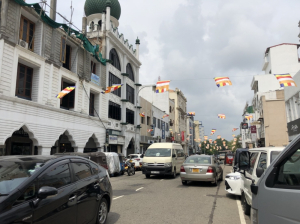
[109, 123]
[117, 125]
[23, 43]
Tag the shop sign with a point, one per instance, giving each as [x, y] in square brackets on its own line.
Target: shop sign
[253, 129]
[182, 136]
[244, 125]
[113, 140]
[121, 140]
[95, 79]
[294, 127]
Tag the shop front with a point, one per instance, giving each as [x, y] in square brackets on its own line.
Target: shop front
[115, 141]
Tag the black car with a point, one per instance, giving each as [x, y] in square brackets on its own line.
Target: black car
[53, 189]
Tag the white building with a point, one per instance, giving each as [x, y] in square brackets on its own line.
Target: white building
[36, 68]
[161, 125]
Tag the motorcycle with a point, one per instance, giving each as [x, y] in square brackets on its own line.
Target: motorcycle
[130, 168]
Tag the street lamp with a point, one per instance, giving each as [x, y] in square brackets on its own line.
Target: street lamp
[136, 114]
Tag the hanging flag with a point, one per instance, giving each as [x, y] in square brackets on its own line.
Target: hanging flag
[65, 92]
[233, 135]
[285, 80]
[205, 137]
[213, 131]
[149, 130]
[191, 113]
[142, 114]
[162, 86]
[222, 81]
[248, 117]
[112, 88]
[210, 141]
[234, 129]
[166, 115]
[222, 116]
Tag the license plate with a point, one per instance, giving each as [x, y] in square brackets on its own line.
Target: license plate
[154, 171]
[195, 170]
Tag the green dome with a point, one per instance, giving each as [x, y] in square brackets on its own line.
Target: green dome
[98, 6]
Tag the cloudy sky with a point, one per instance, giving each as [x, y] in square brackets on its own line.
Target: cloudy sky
[192, 41]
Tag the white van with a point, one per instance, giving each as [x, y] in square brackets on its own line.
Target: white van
[276, 196]
[163, 159]
[254, 163]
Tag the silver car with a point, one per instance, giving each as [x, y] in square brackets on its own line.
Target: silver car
[201, 168]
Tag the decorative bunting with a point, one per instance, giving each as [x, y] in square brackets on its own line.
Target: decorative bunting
[210, 141]
[222, 81]
[248, 117]
[166, 115]
[142, 114]
[233, 135]
[149, 130]
[234, 129]
[285, 80]
[222, 116]
[112, 88]
[205, 137]
[162, 86]
[191, 114]
[65, 92]
[213, 131]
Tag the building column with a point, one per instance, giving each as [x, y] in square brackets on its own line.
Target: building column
[44, 151]
[4, 10]
[108, 5]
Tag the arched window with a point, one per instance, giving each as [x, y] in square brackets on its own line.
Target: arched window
[113, 56]
[129, 71]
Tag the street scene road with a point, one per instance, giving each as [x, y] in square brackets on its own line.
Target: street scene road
[162, 199]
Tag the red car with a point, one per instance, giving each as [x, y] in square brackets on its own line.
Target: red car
[228, 159]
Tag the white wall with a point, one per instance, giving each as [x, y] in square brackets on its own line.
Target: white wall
[158, 114]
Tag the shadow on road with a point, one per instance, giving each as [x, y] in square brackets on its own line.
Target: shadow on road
[112, 218]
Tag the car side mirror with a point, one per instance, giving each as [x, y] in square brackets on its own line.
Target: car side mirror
[43, 193]
[244, 161]
[259, 172]
[142, 156]
[174, 155]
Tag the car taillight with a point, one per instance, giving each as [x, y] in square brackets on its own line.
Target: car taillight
[182, 169]
[105, 166]
[137, 159]
[210, 170]
[141, 164]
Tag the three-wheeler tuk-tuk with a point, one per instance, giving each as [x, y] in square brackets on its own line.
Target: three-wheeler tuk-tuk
[99, 158]
[113, 163]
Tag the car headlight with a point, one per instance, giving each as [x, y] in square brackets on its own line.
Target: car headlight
[254, 216]
[168, 164]
[144, 164]
[234, 178]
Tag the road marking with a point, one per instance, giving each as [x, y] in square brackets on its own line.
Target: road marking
[139, 189]
[161, 179]
[241, 212]
[118, 197]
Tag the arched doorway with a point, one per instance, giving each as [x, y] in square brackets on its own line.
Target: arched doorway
[19, 144]
[62, 145]
[90, 146]
[130, 149]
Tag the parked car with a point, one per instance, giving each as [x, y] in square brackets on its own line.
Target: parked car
[52, 189]
[276, 195]
[233, 181]
[163, 159]
[201, 168]
[136, 159]
[254, 163]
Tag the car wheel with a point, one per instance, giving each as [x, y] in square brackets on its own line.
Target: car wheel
[216, 181]
[174, 173]
[147, 175]
[245, 205]
[221, 177]
[102, 212]
[184, 182]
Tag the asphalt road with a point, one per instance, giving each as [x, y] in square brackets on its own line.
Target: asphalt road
[165, 200]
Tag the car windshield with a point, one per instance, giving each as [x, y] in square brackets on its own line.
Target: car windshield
[14, 172]
[133, 156]
[274, 154]
[198, 160]
[158, 153]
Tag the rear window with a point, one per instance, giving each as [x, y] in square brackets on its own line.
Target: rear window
[133, 156]
[274, 154]
[198, 160]
[158, 153]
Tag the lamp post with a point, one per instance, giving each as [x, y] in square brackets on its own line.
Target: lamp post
[136, 114]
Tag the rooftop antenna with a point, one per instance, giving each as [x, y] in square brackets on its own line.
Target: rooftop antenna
[158, 78]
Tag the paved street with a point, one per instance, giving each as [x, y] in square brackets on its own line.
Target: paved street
[166, 200]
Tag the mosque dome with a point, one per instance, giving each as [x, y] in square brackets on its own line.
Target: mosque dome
[98, 6]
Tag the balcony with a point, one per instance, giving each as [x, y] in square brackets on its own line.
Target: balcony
[265, 63]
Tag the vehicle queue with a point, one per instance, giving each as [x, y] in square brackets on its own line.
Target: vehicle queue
[30, 184]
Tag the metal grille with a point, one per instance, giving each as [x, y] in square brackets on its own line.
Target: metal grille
[156, 164]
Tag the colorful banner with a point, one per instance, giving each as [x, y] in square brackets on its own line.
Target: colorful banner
[222, 116]
[65, 92]
[112, 88]
[285, 80]
[166, 115]
[222, 81]
[162, 86]
[142, 114]
[213, 131]
[234, 129]
[191, 114]
[205, 137]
